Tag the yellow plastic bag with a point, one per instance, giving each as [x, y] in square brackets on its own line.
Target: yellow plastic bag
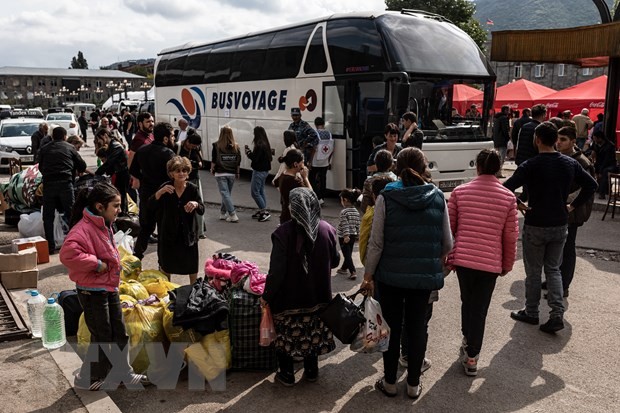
[134, 289]
[149, 276]
[124, 298]
[131, 266]
[160, 287]
[83, 337]
[211, 355]
[132, 207]
[176, 334]
[144, 325]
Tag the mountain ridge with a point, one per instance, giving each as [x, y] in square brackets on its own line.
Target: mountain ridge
[537, 14]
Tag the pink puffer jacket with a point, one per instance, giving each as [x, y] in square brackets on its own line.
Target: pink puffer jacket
[484, 222]
[88, 242]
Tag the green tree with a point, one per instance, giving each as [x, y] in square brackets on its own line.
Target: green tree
[459, 12]
[79, 62]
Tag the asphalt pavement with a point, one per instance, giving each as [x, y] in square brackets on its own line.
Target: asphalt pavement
[521, 369]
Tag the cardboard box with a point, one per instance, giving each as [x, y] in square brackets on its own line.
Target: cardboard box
[40, 243]
[19, 279]
[25, 259]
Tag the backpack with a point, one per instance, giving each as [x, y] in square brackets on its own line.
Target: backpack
[72, 308]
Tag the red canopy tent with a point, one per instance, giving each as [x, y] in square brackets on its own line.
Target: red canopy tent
[589, 95]
[464, 96]
[520, 94]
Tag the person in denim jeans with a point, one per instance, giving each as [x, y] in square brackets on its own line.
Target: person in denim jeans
[225, 165]
[261, 158]
[548, 177]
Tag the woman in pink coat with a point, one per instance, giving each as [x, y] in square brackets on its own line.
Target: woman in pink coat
[483, 218]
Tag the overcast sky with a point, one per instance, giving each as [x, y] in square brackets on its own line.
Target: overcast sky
[43, 33]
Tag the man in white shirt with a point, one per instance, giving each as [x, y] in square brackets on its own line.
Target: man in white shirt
[181, 133]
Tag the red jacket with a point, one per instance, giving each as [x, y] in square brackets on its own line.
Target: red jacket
[88, 242]
[484, 222]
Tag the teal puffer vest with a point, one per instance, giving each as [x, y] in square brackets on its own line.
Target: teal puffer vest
[413, 237]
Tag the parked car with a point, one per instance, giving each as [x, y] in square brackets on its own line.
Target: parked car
[64, 119]
[15, 139]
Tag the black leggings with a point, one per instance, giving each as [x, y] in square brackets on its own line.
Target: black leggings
[347, 252]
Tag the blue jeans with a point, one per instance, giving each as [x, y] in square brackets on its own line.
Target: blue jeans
[56, 196]
[257, 188]
[543, 248]
[225, 186]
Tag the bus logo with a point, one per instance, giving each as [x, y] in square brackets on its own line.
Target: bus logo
[308, 101]
[192, 100]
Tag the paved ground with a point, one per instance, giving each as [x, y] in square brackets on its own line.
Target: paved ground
[521, 369]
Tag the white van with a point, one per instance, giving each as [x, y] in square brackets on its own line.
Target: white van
[77, 108]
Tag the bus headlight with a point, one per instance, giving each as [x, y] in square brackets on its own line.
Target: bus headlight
[4, 148]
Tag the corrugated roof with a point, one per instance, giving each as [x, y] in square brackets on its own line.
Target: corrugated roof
[45, 71]
[587, 46]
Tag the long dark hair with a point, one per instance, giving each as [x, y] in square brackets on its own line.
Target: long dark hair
[261, 141]
[411, 167]
[102, 193]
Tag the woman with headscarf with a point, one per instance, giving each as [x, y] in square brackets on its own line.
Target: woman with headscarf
[298, 285]
[409, 239]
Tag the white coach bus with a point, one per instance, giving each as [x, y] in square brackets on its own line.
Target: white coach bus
[358, 71]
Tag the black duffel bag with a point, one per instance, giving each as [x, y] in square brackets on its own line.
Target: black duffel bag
[343, 317]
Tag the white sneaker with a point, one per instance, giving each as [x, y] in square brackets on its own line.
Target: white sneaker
[232, 217]
[223, 216]
[414, 391]
[321, 202]
[426, 364]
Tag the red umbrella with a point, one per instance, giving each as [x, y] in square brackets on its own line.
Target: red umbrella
[520, 94]
[463, 96]
[589, 95]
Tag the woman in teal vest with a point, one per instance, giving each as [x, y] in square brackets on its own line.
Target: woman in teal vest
[404, 262]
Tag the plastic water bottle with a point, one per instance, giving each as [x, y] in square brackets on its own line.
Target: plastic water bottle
[53, 325]
[36, 305]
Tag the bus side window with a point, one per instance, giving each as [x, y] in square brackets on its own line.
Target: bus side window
[316, 61]
[285, 53]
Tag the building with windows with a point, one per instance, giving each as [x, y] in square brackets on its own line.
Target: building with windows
[554, 75]
[47, 87]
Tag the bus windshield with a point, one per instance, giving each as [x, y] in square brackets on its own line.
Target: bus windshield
[444, 114]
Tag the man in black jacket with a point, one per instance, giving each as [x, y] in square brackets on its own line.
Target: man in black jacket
[58, 161]
[149, 167]
[525, 142]
[526, 117]
[37, 138]
[501, 132]
[115, 164]
[605, 162]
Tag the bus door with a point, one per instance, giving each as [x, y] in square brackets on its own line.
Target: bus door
[357, 109]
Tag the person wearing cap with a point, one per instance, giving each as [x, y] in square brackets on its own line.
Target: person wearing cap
[566, 117]
[583, 124]
[307, 137]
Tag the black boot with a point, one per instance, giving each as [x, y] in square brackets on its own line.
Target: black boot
[311, 368]
[285, 374]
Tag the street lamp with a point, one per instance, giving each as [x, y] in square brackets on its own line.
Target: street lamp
[145, 86]
[111, 86]
[82, 89]
[63, 93]
[125, 86]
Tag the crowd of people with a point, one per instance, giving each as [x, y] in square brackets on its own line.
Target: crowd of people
[410, 237]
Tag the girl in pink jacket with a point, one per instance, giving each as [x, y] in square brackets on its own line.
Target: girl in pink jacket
[483, 219]
[90, 255]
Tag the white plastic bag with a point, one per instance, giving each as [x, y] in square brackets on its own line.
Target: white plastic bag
[31, 225]
[124, 239]
[61, 228]
[374, 335]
